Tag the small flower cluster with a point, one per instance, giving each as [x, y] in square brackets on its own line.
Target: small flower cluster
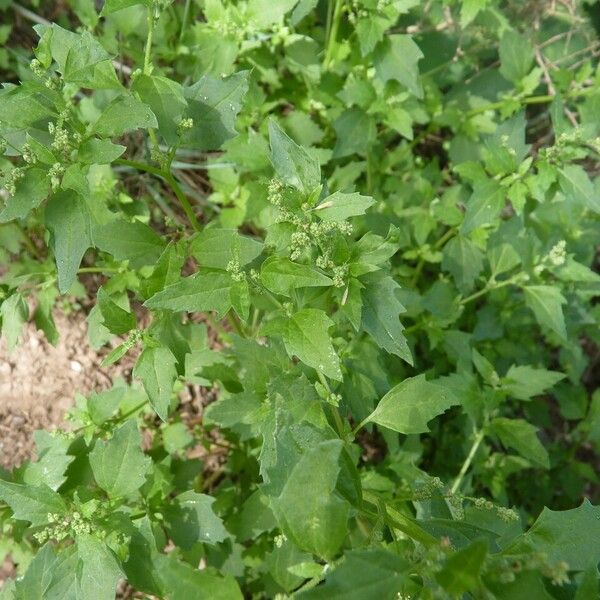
[506, 514]
[506, 570]
[12, 178]
[558, 253]
[340, 274]
[280, 35]
[555, 258]
[504, 141]
[28, 156]
[37, 68]
[563, 146]
[185, 125]
[429, 489]
[355, 11]
[61, 528]
[233, 268]
[334, 399]
[63, 142]
[55, 173]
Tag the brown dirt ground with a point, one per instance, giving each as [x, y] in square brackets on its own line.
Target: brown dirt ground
[38, 383]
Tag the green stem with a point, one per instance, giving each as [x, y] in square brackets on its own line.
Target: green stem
[168, 177]
[98, 270]
[397, 520]
[485, 290]
[148, 50]
[449, 234]
[360, 426]
[184, 18]
[542, 99]
[465, 466]
[339, 423]
[335, 25]
[185, 203]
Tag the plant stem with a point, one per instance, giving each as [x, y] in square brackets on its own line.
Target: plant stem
[98, 270]
[168, 177]
[542, 99]
[449, 234]
[339, 423]
[485, 290]
[465, 466]
[184, 19]
[331, 39]
[185, 203]
[148, 50]
[360, 426]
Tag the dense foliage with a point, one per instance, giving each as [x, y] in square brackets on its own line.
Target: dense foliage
[370, 227]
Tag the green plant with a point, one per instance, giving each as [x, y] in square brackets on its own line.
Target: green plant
[392, 244]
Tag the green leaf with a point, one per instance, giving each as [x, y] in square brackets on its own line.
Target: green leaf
[292, 163]
[355, 130]
[340, 206]
[370, 32]
[116, 319]
[484, 205]
[470, 9]
[525, 382]
[37, 579]
[156, 368]
[546, 303]
[264, 13]
[181, 581]
[214, 104]
[306, 336]
[568, 535]
[167, 270]
[103, 406]
[68, 220]
[95, 151]
[14, 312]
[522, 437]
[215, 248]
[190, 519]
[380, 316]
[315, 521]
[282, 276]
[460, 573]
[52, 461]
[409, 406]
[30, 192]
[31, 503]
[81, 58]
[111, 6]
[23, 105]
[135, 242]
[576, 184]
[397, 58]
[464, 260]
[119, 465]
[199, 293]
[124, 113]
[369, 574]
[503, 257]
[87, 570]
[98, 571]
[165, 97]
[516, 56]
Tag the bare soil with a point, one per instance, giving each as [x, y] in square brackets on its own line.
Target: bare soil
[38, 383]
